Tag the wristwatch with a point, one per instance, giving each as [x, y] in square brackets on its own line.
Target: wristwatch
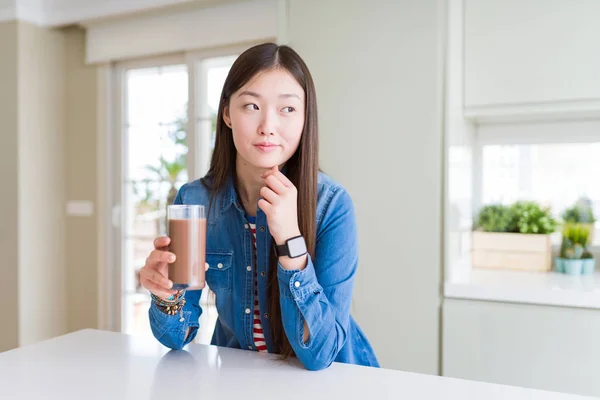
[293, 248]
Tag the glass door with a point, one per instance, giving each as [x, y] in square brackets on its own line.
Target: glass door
[154, 154]
[167, 111]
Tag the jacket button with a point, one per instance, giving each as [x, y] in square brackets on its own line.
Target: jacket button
[248, 311]
[248, 268]
[266, 315]
[262, 228]
[297, 284]
[219, 265]
[262, 273]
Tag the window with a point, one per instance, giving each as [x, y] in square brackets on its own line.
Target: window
[160, 151]
[554, 174]
[155, 167]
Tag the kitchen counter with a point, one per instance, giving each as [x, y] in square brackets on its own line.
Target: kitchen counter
[93, 364]
[544, 288]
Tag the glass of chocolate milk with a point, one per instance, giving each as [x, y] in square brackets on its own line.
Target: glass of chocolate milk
[187, 230]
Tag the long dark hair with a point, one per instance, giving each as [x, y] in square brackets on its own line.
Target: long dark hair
[302, 168]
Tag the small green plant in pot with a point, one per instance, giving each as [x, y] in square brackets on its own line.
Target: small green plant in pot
[580, 213]
[588, 263]
[573, 251]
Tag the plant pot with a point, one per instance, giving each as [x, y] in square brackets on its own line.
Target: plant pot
[517, 251]
[559, 265]
[588, 266]
[573, 267]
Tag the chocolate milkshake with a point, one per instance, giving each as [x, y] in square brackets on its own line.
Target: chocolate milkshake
[187, 230]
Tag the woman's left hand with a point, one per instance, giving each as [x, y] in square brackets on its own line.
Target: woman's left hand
[280, 204]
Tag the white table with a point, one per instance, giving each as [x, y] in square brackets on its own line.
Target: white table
[92, 364]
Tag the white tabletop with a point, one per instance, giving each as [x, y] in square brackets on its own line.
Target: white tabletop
[92, 364]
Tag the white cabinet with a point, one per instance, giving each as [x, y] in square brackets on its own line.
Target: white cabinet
[542, 347]
[520, 53]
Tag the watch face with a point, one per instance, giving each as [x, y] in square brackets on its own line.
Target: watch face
[297, 247]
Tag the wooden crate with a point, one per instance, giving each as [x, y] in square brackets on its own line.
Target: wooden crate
[517, 251]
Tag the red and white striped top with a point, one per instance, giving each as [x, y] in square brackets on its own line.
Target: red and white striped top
[258, 335]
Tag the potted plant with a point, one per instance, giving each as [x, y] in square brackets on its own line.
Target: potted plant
[513, 237]
[575, 258]
[580, 213]
[494, 218]
[588, 264]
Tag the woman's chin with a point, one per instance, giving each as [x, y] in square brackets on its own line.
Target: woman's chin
[267, 162]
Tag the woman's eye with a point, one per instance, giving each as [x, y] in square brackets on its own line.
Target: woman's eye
[251, 106]
[288, 109]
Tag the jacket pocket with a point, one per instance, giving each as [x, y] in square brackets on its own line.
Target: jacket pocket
[219, 273]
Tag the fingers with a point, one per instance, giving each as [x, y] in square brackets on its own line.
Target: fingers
[158, 290]
[265, 206]
[275, 184]
[162, 242]
[269, 195]
[205, 266]
[156, 277]
[279, 175]
[160, 256]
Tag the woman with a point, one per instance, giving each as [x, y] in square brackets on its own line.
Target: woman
[282, 247]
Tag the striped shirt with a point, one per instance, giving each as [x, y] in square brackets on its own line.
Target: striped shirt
[258, 334]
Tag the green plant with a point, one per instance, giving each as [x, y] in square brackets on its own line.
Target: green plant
[577, 233]
[530, 217]
[586, 255]
[575, 239]
[581, 212]
[571, 251]
[169, 171]
[494, 218]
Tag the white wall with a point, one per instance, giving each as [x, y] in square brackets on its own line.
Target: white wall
[42, 269]
[9, 201]
[531, 51]
[32, 233]
[69, 11]
[378, 73]
[82, 170]
[158, 34]
[53, 13]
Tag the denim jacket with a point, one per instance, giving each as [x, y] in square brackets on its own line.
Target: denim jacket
[321, 294]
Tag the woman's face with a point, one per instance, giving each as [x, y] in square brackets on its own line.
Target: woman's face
[267, 117]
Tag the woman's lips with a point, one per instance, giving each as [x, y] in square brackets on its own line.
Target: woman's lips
[266, 147]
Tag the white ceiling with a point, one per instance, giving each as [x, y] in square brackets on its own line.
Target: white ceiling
[66, 12]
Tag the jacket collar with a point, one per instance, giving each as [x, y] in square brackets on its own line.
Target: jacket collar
[229, 197]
